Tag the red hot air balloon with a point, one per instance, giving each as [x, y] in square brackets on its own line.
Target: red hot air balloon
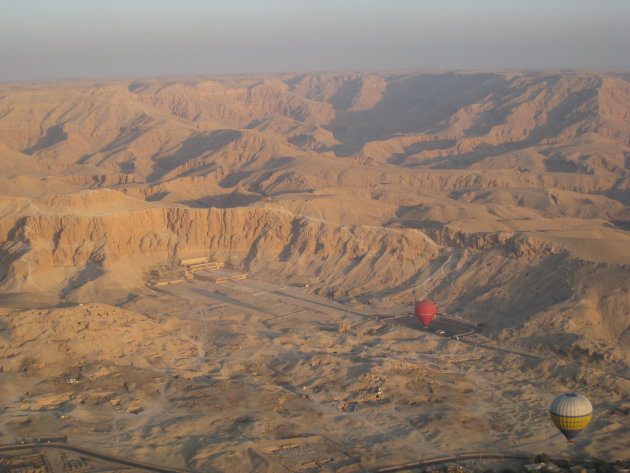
[425, 311]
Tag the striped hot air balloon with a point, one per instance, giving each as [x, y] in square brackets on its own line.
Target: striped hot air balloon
[571, 413]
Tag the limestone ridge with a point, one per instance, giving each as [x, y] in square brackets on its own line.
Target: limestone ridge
[501, 195]
[82, 253]
[256, 236]
[434, 121]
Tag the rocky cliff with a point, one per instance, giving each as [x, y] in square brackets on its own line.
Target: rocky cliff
[501, 195]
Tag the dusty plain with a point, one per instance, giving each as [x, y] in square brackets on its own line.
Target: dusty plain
[345, 197]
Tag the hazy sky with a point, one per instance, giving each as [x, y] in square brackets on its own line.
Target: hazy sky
[49, 39]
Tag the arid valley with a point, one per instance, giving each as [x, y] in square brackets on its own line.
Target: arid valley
[333, 202]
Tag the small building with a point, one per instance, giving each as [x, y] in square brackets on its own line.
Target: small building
[578, 469]
[534, 466]
[454, 468]
[546, 466]
[552, 467]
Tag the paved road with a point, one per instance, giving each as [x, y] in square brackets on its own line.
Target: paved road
[472, 456]
[388, 469]
[94, 454]
[452, 326]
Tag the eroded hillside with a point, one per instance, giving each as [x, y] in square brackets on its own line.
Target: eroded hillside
[502, 196]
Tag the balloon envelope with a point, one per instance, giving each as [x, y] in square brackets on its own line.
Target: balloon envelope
[571, 413]
[425, 311]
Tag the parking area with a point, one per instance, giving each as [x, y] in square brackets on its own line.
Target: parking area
[224, 287]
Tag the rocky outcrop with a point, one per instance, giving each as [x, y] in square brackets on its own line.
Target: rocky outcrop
[515, 244]
[33, 246]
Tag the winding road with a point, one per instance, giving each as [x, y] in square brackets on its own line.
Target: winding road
[388, 469]
[94, 454]
[473, 456]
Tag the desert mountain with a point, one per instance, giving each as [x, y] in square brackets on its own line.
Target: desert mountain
[502, 196]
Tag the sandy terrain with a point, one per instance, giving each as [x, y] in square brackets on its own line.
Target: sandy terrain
[249, 372]
[503, 197]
